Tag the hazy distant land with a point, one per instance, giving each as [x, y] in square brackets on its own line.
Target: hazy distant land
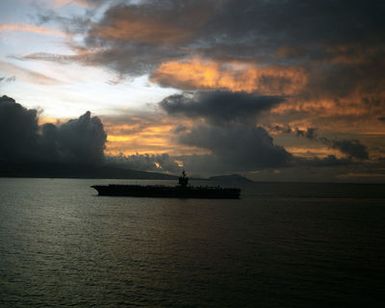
[56, 170]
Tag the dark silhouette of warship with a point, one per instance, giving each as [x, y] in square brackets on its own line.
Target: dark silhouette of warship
[182, 190]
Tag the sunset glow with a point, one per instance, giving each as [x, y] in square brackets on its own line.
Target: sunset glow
[189, 81]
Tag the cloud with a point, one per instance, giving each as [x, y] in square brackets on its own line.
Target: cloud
[322, 63]
[198, 73]
[310, 132]
[328, 63]
[228, 131]
[18, 131]
[241, 30]
[352, 148]
[330, 58]
[133, 38]
[85, 3]
[44, 56]
[230, 28]
[78, 2]
[146, 162]
[5, 79]
[152, 22]
[229, 145]
[129, 25]
[327, 161]
[234, 148]
[219, 106]
[80, 140]
[27, 75]
[30, 29]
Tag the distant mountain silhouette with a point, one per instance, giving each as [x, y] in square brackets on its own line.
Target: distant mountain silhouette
[65, 170]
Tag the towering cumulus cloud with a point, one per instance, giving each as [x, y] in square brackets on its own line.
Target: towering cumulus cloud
[22, 140]
[18, 131]
[83, 139]
[226, 126]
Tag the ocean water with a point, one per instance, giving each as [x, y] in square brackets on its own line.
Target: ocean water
[281, 245]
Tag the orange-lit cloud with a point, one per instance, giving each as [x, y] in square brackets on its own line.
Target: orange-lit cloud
[14, 27]
[356, 104]
[313, 152]
[325, 107]
[144, 31]
[199, 73]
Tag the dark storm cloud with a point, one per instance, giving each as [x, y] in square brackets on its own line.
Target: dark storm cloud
[219, 106]
[299, 22]
[229, 130]
[239, 29]
[22, 140]
[352, 148]
[77, 142]
[358, 77]
[83, 139]
[242, 26]
[237, 147]
[18, 131]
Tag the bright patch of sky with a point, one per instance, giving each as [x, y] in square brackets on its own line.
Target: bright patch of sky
[61, 90]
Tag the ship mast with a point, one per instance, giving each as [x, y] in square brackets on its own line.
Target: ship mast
[183, 180]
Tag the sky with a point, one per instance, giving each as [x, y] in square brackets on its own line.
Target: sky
[280, 90]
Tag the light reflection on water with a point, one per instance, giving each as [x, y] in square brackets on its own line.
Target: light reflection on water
[62, 244]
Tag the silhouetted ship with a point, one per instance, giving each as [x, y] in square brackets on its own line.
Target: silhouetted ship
[182, 190]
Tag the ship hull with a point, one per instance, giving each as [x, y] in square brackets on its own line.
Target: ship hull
[168, 192]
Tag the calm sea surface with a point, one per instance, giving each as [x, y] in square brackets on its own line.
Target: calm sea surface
[281, 245]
